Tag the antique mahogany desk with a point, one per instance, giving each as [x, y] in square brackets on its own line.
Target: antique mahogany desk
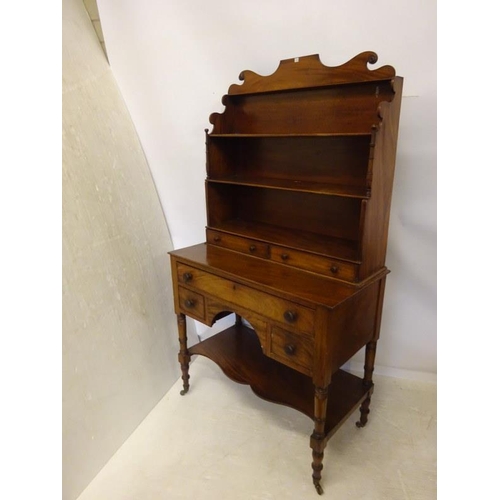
[300, 169]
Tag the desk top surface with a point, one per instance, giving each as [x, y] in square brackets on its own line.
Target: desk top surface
[270, 276]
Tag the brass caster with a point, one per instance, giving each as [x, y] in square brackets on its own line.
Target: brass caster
[360, 425]
[184, 391]
[318, 487]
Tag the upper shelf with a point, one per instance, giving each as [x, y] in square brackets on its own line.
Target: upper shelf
[333, 110]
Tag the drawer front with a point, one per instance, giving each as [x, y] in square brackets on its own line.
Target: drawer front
[275, 308]
[292, 349]
[243, 245]
[191, 303]
[315, 263]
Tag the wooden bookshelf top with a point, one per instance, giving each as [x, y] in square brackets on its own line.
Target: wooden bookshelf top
[309, 71]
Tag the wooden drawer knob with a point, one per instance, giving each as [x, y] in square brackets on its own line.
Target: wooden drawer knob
[334, 269]
[216, 239]
[290, 349]
[187, 277]
[189, 303]
[290, 316]
[252, 248]
[284, 256]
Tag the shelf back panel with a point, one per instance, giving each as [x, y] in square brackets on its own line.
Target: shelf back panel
[329, 160]
[327, 216]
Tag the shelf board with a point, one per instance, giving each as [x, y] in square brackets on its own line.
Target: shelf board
[327, 246]
[305, 186]
[256, 136]
[238, 353]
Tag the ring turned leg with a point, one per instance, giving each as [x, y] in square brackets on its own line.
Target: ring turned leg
[371, 348]
[184, 356]
[318, 441]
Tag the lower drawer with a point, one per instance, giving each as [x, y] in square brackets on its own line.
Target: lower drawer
[292, 349]
[191, 303]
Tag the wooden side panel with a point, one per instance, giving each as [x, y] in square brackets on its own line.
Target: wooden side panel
[353, 324]
[376, 220]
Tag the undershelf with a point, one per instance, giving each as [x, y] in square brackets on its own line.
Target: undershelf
[238, 353]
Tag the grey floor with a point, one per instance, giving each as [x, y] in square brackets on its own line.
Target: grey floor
[222, 442]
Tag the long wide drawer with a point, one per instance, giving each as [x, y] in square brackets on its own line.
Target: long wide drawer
[294, 315]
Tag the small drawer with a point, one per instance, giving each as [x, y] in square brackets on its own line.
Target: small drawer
[191, 303]
[315, 263]
[292, 349]
[237, 243]
[293, 315]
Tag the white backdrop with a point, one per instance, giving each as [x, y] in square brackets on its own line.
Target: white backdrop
[174, 60]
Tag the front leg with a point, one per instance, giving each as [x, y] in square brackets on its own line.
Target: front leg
[184, 356]
[318, 441]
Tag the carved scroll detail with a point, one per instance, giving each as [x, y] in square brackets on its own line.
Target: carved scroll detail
[309, 71]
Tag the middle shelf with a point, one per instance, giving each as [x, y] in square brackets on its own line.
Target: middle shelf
[326, 225]
[303, 185]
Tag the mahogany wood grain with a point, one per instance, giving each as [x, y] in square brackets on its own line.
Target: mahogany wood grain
[300, 169]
